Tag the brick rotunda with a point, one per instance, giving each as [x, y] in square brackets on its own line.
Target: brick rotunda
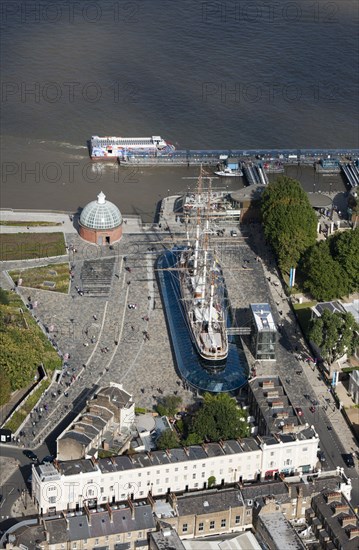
[100, 222]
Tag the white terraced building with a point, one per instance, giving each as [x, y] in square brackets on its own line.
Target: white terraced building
[73, 484]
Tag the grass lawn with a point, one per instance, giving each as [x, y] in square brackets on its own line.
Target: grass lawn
[35, 277]
[18, 418]
[29, 224]
[303, 313]
[24, 246]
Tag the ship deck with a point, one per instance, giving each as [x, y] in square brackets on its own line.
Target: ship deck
[229, 375]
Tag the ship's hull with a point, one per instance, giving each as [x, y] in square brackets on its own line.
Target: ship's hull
[211, 345]
[113, 148]
[232, 174]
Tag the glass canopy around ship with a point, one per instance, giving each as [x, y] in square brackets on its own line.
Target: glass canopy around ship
[228, 377]
[101, 214]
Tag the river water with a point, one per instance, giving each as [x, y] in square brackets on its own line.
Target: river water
[258, 74]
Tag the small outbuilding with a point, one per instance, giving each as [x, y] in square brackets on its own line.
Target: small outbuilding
[100, 222]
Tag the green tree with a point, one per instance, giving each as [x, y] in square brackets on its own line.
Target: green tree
[5, 388]
[193, 439]
[169, 405]
[323, 277]
[290, 223]
[335, 334]
[168, 440]
[219, 418]
[211, 481]
[344, 247]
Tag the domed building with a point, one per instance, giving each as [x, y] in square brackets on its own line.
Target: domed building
[101, 222]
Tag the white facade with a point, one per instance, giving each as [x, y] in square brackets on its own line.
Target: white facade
[77, 482]
[289, 457]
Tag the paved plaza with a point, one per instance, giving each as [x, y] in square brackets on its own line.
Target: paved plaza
[106, 339]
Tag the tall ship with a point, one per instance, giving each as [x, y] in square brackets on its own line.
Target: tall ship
[122, 148]
[202, 288]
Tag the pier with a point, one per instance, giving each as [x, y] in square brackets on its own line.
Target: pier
[351, 171]
[275, 158]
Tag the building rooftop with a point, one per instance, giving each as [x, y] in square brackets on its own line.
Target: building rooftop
[89, 524]
[208, 502]
[263, 317]
[280, 531]
[338, 518]
[166, 539]
[271, 406]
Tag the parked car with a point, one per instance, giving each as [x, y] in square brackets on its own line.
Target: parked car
[234, 233]
[321, 456]
[312, 409]
[349, 460]
[47, 459]
[299, 411]
[32, 456]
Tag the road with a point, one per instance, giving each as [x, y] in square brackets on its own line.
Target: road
[17, 483]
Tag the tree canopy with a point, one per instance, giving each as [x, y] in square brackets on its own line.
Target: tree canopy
[169, 405]
[290, 223]
[168, 440]
[335, 334]
[219, 418]
[323, 277]
[330, 269]
[344, 247]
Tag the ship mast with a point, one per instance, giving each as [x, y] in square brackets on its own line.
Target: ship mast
[199, 191]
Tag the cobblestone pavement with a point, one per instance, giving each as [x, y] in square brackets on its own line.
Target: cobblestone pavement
[104, 338]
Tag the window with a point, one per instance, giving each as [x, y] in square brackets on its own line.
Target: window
[223, 522]
[186, 467]
[102, 490]
[74, 545]
[194, 466]
[176, 469]
[111, 488]
[167, 471]
[96, 541]
[200, 526]
[52, 500]
[249, 512]
[129, 535]
[167, 479]
[211, 524]
[305, 449]
[193, 476]
[272, 453]
[157, 472]
[238, 519]
[203, 474]
[185, 528]
[196, 484]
